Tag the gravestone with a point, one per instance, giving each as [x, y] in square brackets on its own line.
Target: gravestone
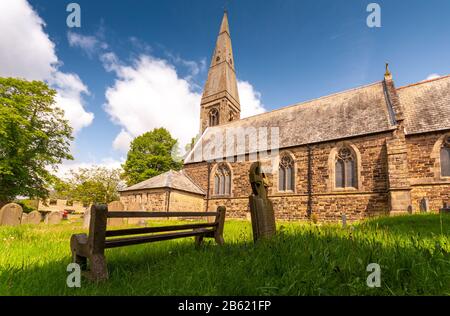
[11, 214]
[135, 220]
[87, 218]
[424, 205]
[53, 218]
[23, 220]
[261, 208]
[116, 206]
[33, 218]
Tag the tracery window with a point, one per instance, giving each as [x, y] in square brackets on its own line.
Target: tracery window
[445, 157]
[286, 174]
[345, 169]
[222, 180]
[214, 117]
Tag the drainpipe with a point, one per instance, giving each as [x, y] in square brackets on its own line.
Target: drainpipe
[310, 201]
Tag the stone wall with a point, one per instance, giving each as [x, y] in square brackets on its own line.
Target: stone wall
[369, 199]
[185, 202]
[155, 200]
[424, 170]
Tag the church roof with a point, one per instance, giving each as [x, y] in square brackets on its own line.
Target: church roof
[354, 112]
[426, 105]
[172, 179]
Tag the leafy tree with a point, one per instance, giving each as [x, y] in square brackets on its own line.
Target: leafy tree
[90, 185]
[34, 138]
[151, 154]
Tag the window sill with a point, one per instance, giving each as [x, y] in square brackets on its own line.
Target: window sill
[350, 189]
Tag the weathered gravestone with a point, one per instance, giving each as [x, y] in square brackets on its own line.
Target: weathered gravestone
[116, 206]
[135, 220]
[11, 214]
[32, 218]
[53, 218]
[424, 205]
[261, 208]
[87, 218]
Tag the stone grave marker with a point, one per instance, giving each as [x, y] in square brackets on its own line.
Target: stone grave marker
[11, 214]
[116, 206]
[53, 218]
[87, 218]
[33, 218]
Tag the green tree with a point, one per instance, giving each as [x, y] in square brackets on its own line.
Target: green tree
[90, 185]
[151, 154]
[34, 138]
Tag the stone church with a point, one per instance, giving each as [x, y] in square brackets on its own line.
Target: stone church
[370, 150]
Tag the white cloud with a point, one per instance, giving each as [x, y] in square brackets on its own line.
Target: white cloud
[122, 141]
[90, 44]
[250, 100]
[432, 76]
[149, 94]
[26, 51]
[64, 169]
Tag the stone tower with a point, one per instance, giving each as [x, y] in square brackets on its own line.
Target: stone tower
[220, 100]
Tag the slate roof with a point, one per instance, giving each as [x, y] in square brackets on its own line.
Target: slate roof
[354, 112]
[172, 179]
[426, 105]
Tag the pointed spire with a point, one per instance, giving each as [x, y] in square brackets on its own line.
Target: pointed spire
[221, 85]
[224, 27]
[221, 74]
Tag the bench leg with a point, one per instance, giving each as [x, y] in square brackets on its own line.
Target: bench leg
[98, 269]
[198, 241]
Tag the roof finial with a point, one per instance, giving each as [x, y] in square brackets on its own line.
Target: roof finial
[387, 73]
[225, 6]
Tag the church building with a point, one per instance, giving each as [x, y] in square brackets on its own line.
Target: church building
[371, 150]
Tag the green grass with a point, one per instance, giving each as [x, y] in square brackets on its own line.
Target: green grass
[304, 259]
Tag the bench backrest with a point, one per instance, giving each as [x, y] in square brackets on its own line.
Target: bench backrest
[99, 218]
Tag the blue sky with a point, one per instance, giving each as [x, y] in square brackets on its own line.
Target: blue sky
[286, 51]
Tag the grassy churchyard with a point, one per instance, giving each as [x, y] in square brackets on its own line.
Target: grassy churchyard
[304, 259]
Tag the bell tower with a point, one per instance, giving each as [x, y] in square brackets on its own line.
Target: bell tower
[220, 100]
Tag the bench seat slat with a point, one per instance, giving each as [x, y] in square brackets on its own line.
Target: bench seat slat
[160, 237]
[145, 230]
[134, 214]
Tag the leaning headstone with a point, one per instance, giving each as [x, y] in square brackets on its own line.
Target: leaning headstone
[261, 208]
[53, 218]
[135, 220]
[424, 205]
[86, 218]
[116, 206]
[33, 218]
[11, 214]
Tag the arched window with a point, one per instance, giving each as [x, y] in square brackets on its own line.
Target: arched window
[213, 117]
[286, 174]
[346, 169]
[222, 180]
[445, 157]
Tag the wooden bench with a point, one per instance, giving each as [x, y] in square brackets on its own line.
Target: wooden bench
[92, 247]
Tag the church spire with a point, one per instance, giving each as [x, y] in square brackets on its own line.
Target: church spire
[220, 100]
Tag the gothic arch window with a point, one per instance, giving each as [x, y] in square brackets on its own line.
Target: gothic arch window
[214, 117]
[286, 173]
[445, 157]
[222, 180]
[345, 169]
